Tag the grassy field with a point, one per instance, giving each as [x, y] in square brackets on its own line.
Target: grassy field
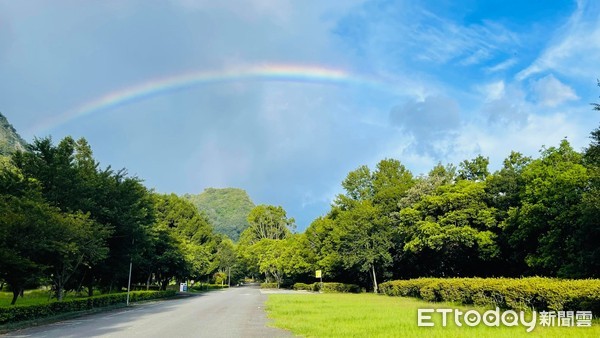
[369, 315]
[30, 297]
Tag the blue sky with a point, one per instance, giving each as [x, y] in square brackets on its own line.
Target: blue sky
[424, 82]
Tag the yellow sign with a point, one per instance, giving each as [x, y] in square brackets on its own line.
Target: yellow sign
[318, 274]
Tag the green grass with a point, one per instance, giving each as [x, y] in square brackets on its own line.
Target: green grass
[370, 315]
[31, 297]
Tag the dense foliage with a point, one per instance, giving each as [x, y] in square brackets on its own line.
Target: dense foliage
[227, 209]
[10, 141]
[532, 217]
[68, 224]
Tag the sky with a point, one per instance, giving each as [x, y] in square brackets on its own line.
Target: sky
[284, 98]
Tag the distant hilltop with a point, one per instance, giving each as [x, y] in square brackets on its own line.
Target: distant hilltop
[10, 140]
[227, 209]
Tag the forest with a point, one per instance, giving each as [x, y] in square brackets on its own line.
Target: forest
[72, 226]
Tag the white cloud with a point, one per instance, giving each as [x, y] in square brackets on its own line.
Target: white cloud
[492, 91]
[504, 65]
[576, 49]
[551, 92]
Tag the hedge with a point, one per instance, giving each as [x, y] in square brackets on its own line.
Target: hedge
[205, 287]
[306, 287]
[19, 313]
[508, 293]
[328, 287]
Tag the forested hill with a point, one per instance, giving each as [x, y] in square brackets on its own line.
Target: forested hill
[226, 208]
[9, 138]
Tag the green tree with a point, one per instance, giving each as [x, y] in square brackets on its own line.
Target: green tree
[452, 232]
[543, 227]
[322, 239]
[27, 235]
[226, 257]
[475, 169]
[81, 243]
[267, 222]
[364, 240]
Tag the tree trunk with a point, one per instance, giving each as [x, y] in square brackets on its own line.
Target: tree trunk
[148, 281]
[375, 289]
[16, 292]
[60, 293]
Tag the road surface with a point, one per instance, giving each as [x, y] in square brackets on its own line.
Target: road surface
[237, 312]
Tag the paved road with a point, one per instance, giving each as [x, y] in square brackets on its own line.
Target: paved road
[237, 312]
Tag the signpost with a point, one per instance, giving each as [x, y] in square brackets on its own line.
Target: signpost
[319, 274]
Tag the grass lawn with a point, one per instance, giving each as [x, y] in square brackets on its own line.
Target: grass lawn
[30, 297]
[370, 315]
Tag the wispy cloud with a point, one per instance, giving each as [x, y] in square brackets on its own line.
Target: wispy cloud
[576, 48]
[504, 65]
[551, 92]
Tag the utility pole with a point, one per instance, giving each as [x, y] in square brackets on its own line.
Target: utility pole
[229, 278]
[130, 266]
[129, 283]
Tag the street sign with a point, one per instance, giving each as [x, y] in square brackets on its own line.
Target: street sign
[318, 274]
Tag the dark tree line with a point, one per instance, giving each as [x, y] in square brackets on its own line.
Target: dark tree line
[67, 223]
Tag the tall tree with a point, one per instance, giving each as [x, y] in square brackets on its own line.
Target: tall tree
[475, 169]
[542, 228]
[364, 240]
[452, 231]
[267, 222]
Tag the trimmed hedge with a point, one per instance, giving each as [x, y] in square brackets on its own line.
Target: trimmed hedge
[340, 287]
[19, 313]
[306, 287]
[205, 287]
[328, 287]
[508, 293]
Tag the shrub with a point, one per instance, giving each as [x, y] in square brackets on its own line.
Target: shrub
[19, 313]
[268, 285]
[306, 287]
[339, 287]
[508, 293]
[204, 287]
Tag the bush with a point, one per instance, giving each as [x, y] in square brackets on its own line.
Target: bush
[339, 287]
[306, 287]
[268, 285]
[205, 287]
[507, 293]
[19, 313]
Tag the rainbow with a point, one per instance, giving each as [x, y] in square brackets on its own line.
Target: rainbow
[162, 86]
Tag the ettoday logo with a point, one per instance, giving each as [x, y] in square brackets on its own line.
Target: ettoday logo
[474, 318]
[506, 318]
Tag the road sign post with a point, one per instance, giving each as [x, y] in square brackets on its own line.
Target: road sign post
[319, 274]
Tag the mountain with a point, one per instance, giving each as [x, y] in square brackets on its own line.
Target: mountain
[227, 209]
[10, 141]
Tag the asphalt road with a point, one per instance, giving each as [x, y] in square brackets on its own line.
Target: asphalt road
[237, 312]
